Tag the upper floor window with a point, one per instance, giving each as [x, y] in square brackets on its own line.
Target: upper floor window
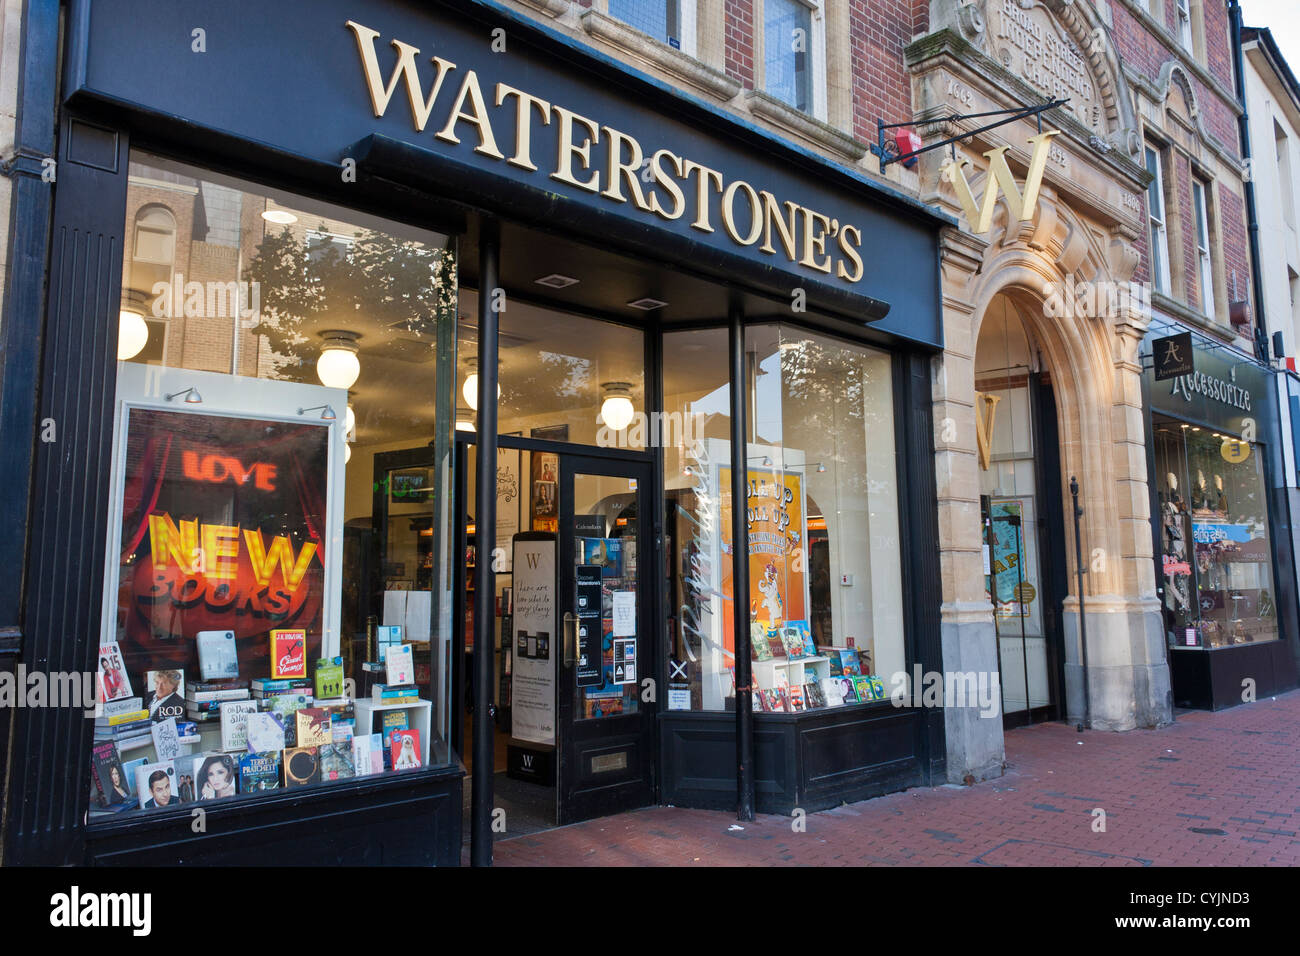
[1205, 269]
[793, 45]
[1183, 15]
[662, 19]
[1156, 215]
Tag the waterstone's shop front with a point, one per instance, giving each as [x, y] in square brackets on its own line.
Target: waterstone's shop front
[305, 269]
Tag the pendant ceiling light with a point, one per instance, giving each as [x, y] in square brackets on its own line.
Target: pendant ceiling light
[350, 422]
[132, 334]
[469, 391]
[617, 411]
[338, 365]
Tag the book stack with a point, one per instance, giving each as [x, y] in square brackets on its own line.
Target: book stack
[264, 688]
[127, 729]
[395, 694]
[203, 699]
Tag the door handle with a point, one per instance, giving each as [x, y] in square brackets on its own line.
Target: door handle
[570, 638]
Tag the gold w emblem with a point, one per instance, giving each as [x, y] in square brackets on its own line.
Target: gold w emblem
[986, 407]
[1022, 205]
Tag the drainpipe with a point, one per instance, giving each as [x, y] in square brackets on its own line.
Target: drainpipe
[1252, 219]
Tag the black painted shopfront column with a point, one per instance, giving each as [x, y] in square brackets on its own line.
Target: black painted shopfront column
[739, 571]
[489, 251]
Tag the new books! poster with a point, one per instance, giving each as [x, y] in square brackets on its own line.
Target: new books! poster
[223, 528]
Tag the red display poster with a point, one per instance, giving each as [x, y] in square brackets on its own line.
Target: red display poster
[223, 529]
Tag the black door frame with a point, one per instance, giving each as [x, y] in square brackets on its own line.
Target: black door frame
[578, 742]
[597, 458]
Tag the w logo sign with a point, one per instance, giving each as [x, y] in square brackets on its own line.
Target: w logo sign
[999, 178]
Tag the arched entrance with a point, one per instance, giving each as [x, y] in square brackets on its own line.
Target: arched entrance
[1020, 511]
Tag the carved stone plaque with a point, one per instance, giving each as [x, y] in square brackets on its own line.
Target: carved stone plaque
[1026, 38]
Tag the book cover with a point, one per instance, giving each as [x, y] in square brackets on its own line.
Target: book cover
[164, 694]
[113, 681]
[343, 729]
[782, 702]
[405, 749]
[849, 665]
[757, 701]
[862, 687]
[812, 694]
[795, 696]
[259, 771]
[864, 660]
[196, 697]
[400, 664]
[215, 777]
[336, 762]
[218, 658]
[832, 655]
[775, 645]
[234, 723]
[847, 691]
[313, 727]
[368, 754]
[166, 739]
[793, 642]
[264, 733]
[288, 653]
[269, 688]
[809, 648]
[115, 708]
[129, 767]
[832, 692]
[876, 685]
[156, 786]
[758, 646]
[329, 677]
[109, 775]
[301, 766]
[392, 720]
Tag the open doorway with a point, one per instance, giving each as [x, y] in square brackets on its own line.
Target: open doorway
[1021, 513]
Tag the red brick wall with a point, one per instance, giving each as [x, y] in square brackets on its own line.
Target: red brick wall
[878, 32]
[739, 39]
[1236, 253]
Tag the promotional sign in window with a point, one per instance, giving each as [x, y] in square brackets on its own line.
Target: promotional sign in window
[778, 565]
[587, 607]
[222, 529]
[533, 680]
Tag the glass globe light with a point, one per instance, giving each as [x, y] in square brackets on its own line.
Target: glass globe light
[132, 334]
[617, 411]
[338, 365]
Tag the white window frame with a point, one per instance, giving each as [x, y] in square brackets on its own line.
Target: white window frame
[816, 52]
[1183, 14]
[687, 14]
[1156, 220]
[1205, 263]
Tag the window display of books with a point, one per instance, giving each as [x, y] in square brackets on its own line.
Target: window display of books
[792, 675]
[239, 736]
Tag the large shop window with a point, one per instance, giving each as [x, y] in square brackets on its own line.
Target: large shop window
[276, 604]
[825, 584]
[1215, 552]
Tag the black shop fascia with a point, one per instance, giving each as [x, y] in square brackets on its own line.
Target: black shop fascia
[454, 125]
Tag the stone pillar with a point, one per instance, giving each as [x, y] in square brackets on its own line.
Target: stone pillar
[974, 743]
[1127, 673]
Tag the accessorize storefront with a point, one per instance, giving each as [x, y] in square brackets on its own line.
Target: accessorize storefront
[296, 249]
[1227, 587]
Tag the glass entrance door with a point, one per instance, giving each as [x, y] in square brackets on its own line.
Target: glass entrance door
[606, 692]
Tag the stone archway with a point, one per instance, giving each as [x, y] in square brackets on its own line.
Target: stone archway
[1097, 375]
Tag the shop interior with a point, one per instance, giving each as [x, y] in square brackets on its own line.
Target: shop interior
[1214, 546]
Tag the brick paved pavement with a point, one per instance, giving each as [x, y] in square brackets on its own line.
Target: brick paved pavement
[1212, 789]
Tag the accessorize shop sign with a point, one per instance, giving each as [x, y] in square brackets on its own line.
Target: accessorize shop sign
[496, 110]
[1215, 389]
[223, 524]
